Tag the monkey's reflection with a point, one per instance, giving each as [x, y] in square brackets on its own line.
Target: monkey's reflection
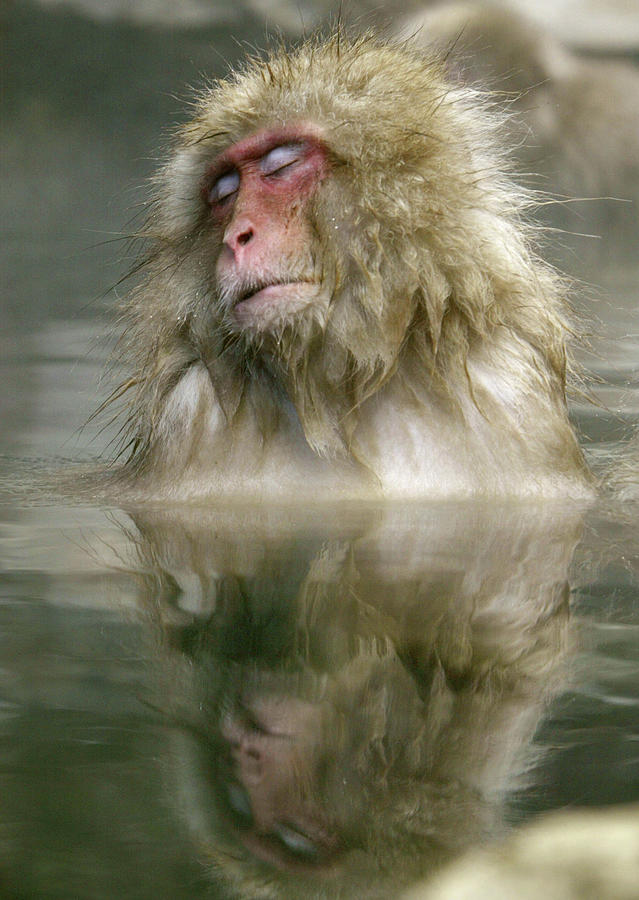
[351, 704]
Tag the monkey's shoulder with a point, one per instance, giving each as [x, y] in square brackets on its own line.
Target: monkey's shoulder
[400, 448]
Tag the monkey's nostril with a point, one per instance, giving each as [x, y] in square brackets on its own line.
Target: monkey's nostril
[245, 237]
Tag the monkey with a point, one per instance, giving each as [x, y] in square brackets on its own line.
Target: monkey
[340, 297]
[564, 847]
[575, 122]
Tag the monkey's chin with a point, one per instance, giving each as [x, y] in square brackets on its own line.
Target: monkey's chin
[274, 306]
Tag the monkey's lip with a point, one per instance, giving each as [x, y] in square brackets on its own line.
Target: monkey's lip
[272, 297]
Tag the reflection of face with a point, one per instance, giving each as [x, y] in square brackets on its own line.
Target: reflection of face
[350, 714]
[271, 791]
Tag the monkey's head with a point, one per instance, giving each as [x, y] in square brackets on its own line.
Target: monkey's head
[326, 197]
[331, 217]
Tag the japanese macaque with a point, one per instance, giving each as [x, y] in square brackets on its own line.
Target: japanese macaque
[349, 707]
[563, 848]
[576, 124]
[340, 298]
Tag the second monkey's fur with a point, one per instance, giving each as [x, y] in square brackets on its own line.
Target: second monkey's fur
[437, 364]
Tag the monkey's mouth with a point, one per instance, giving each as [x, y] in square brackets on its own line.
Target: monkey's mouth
[272, 301]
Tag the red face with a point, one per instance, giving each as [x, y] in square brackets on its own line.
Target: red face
[258, 192]
[272, 790]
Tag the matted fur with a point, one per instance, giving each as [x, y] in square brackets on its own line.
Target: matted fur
[435, 362]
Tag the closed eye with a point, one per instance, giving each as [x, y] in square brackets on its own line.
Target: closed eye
[296, 843]
[224, 187]
[281, 158]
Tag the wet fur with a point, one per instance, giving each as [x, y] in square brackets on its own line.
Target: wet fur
[436, 363]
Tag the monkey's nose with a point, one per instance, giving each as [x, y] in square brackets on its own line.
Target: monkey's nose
[238, 236]
[245, 237]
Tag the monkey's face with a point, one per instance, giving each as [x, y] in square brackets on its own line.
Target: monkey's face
[301, 219]
[259, 192]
